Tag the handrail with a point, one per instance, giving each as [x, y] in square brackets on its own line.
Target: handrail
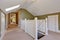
[40, 26]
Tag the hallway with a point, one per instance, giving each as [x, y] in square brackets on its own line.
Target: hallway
[16, 34]
[29, 19]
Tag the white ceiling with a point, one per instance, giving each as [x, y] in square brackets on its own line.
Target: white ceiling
[9, 3]
[41, 7]
[37, 7]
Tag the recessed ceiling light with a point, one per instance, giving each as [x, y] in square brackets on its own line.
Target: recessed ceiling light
[11, 8]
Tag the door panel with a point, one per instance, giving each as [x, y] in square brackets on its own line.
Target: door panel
[52, 22]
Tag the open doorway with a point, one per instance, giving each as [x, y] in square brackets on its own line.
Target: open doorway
[12, 20]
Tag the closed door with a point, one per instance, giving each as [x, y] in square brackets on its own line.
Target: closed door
[52, 22]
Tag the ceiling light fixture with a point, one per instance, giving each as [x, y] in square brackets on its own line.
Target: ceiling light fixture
[33, 0]
[11, 8]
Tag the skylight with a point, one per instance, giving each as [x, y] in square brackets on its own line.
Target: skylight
[11, 8]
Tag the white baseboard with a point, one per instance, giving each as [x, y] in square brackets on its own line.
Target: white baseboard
[58, 31]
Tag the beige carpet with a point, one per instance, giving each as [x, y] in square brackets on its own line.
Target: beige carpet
[17, 34]
[51, 36]
[10, 26]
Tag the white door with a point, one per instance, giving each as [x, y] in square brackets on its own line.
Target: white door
[2, 23]
[53, 22]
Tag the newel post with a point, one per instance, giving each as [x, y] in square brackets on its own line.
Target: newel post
[36, 28]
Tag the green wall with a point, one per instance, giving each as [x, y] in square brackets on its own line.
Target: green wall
[59, 21]
[41, 17]
[46, 15]
[25, 14]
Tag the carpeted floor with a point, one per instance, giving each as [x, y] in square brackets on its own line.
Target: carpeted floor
[51, 36]
[16, 34]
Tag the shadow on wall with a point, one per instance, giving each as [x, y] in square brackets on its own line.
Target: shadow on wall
[25, 14]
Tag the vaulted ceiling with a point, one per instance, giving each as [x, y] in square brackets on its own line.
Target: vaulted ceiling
[36, 7]
[9, 3]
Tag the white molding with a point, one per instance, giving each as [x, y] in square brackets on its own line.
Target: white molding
[58, 31]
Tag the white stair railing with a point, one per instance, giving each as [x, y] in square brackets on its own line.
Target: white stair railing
[42, 26]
